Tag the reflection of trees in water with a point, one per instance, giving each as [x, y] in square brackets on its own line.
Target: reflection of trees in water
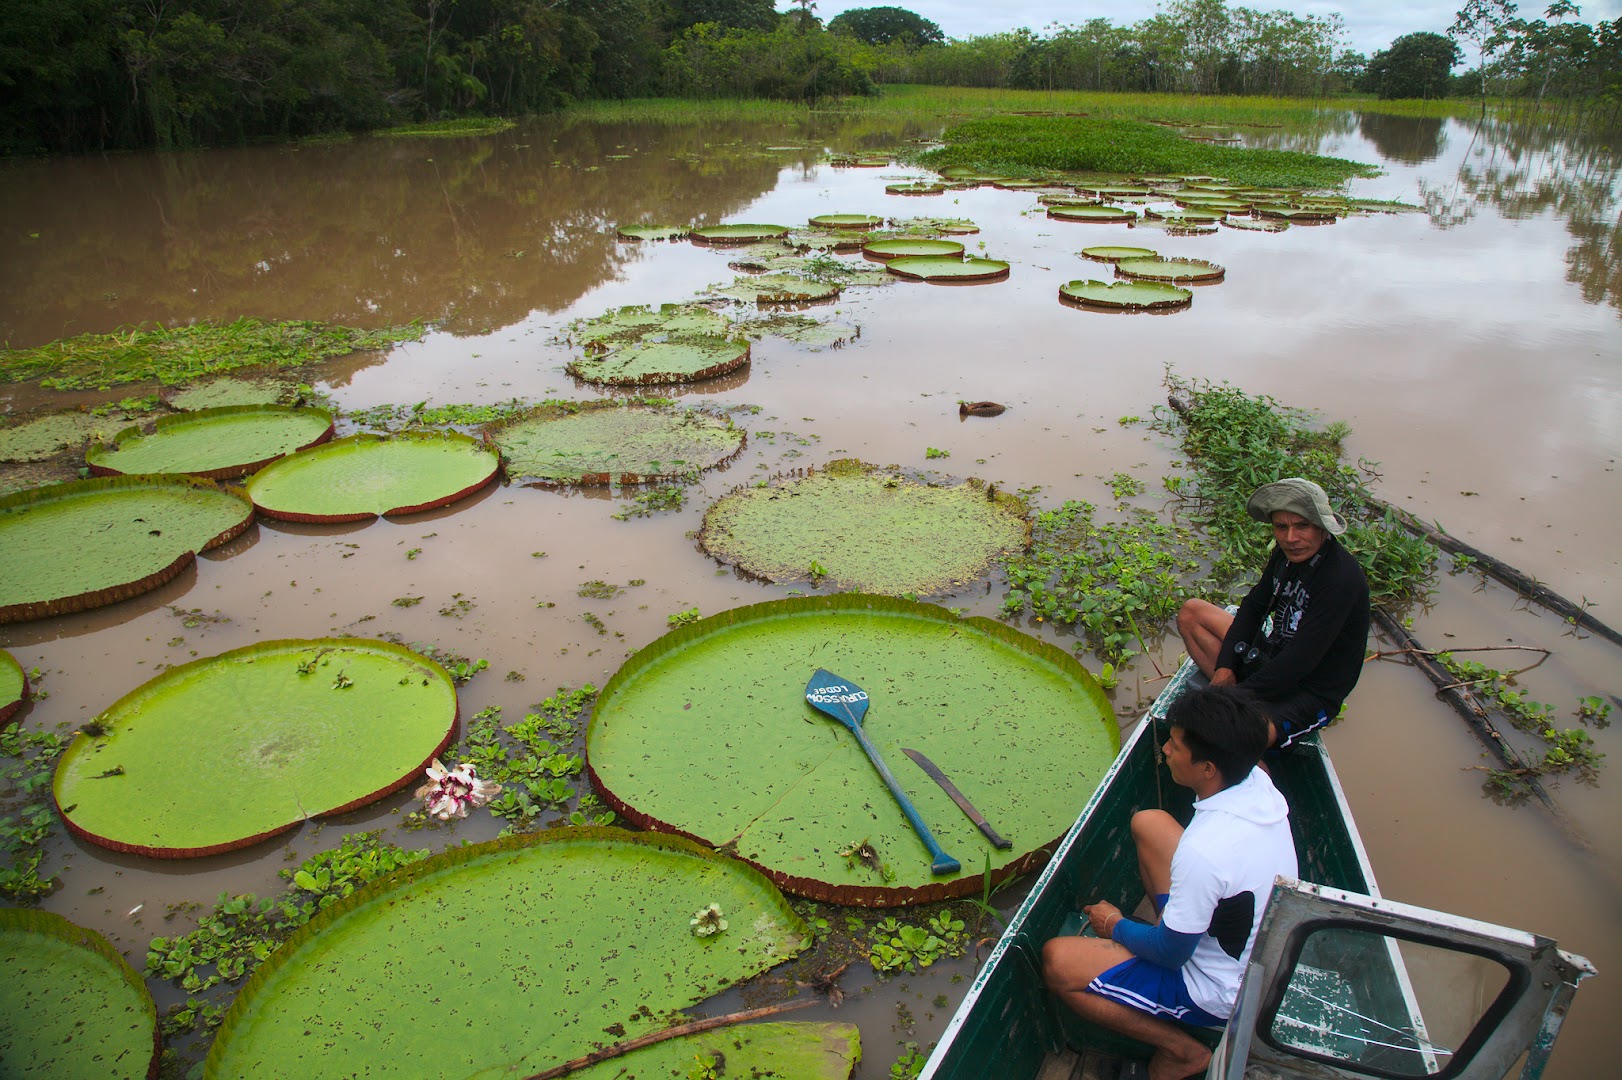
[1413, 140]
[473, 233]
[1522, 171]
[1305, 138]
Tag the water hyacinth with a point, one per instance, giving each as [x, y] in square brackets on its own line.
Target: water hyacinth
[451, 793]
[707, 921]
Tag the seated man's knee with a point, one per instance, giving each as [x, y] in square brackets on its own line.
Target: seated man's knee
[1148, 823]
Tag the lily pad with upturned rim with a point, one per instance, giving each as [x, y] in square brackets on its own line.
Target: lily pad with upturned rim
[497, 958]
[1126, 295]
[80, 545]
[865, 528]
[229, 750]
[656, 362]
[903, 246]
[605, 442]
[738, 234]
[706, 732]
[826, 1051]
[1102, 215]
[919, 187]
[846, 221]
[653, 232]
[367, 476]
[216, 444]
[13, 686]
[70, 1006]
[1170, 269]
[1115, 253]
[1249, 224]
[947, 268]
[1298, 215]
[780, 289]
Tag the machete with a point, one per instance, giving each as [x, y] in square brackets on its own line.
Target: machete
[958, 797]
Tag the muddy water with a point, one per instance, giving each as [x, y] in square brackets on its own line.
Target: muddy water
[1473, 350]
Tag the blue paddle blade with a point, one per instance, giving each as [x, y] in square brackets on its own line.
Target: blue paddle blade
[839, 698]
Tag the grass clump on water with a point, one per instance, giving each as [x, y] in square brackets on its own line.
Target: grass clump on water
[171, 355]
[1028, 144]
[440, 129]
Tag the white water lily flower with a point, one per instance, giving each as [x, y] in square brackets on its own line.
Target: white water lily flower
[707, 921]
[451, 793]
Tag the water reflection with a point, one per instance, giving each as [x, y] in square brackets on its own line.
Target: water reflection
[1413, 140]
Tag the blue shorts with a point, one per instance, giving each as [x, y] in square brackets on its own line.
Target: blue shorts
[1150, 988]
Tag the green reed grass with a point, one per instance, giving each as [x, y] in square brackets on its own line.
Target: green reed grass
[442, 129]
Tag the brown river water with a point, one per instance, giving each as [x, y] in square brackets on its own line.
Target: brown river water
[1475, 351]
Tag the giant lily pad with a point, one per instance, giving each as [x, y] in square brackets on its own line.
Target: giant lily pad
[1098, 215]
[916, 187]
[1170, 269]
[1271, 225]
[904, 246]
[509, 956]
[607, 442]
[827, 239]
[685, 360]
[1299, 215]
[947, 268]
[228, 391]
[626, 325]
[653, 232]
[706, 732]
[13, 686]
[214, 443]
[365, 476]
[738, 234]
[780, 289]
[847, 221]
[45, 436]
[864, 528]
[1125, 295]
[1115, 253]
[70, 1006]
[225, 751]
[79, 545]
[801, 1051]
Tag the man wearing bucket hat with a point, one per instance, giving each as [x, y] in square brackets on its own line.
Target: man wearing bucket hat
[1308, 660]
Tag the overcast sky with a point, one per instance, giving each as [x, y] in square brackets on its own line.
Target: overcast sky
[1371, 24]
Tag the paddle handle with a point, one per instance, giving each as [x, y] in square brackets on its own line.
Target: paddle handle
[944, 863]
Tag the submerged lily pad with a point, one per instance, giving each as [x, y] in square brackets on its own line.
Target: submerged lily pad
[366, 476]
[706, 732]
[800, 329]
[608, 442]
[686, 360]
[228, 391]
[1102, 215]
[498, 957]
[13, 686]
[70, 1006]
[79, 545]
[653, 232]
[738, 234]
[902, 246]
[847, 221]
[228, 750]
[221, 443]
[1170, 269]
[1108, 253]
[864, 528]
[802, 1051]
[1126, 295]
[46, 436]
[947, 268]
[780, 289]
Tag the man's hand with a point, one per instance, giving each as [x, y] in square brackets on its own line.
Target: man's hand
[1223, 677]
[1103, 916]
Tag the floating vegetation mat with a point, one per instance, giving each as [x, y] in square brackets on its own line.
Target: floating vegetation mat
[1111, 254]
[1097, 215]
[847, 221]
[1126, 295]
[949, 268]
[70, 1006]
[780, 289]
[738, 234]
[79, 545]
[646, 363]
[499, 958]
[707, 732]
[802, 1051]
[890, 249]
[365, 476]
[856, 526]
[13, 686]
[1170, 269]
[609, 442]
[226, 751]
[653, 232]
[217, 444]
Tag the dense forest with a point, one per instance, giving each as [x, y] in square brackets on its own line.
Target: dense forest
[105, 74]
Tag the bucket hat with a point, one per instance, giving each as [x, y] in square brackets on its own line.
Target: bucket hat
[1298, 496]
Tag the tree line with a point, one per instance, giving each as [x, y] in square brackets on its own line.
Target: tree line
[109, 74]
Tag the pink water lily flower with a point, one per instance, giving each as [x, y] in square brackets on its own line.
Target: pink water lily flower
[451, 793]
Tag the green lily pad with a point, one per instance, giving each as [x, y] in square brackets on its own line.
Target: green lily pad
[864, 528]
[780, 289]
[366, 476]
[1374, 206]
[46, 436]
[609, 442]
[827, 239]
[1126, 295]
[626, 325]
[826, 271]
[1298, 215]
[1272, 225]
[498, 957]
[1102, 215]
[70, 1006]
[1179, 225]
[653, 232]
[947, 268]
[949, 226]
[1066, 199]
[13, 686]
[686, 360]
[706, 731]
[228, 750]
[1211, 202]
[1114, 192]
[738, 234]
[847, 221]
[800, 329]
[217, 444]
[902, 246]
[1170, 269]
[916, 187]
[1109, 253]
[79, 545]
[1196, 213]
[227, 391]
[1020, 185]
[801, 1051]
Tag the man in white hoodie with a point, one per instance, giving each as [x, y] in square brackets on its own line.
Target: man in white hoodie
[1209, 883]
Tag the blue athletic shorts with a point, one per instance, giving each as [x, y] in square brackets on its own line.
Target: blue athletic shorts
[1152, 989]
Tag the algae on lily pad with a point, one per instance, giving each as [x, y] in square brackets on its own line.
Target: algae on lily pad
[826, 1051]
[780, 289]
[1126, 295]
[707, 732]
[228, 750]
[1108, 253]
[911, 245]
[1170, 269]
[856, 526]
[949, 268]
[13, 686]
[738, 234]
[653, 232]
[688, 359]
[608, 442]
[509, 956]
[70, 1007]
[217, 444]
[79, 545]
[366, 476]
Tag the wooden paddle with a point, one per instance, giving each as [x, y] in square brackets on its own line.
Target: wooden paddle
[846, 702]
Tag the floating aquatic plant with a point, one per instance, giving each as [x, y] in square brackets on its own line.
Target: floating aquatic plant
[653, 232]
[947, 268]
[366, 476]
[902, 246]
[13, 686]
[769, 289]
[737, 234]
[645, 363]
[1170, 269]
[1097, 215]
[847, 221]
[1111, 254]
[1125, 295]
[219, 443]
[607, 442]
